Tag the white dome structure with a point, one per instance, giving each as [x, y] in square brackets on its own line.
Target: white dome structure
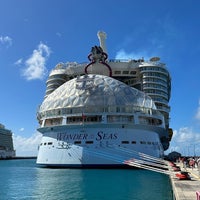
[95, 91]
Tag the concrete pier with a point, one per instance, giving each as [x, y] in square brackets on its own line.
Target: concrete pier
[186, 189]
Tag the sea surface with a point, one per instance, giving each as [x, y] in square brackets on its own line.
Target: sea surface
[23, 179]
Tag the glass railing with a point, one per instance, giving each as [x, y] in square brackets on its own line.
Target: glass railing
[96, 110]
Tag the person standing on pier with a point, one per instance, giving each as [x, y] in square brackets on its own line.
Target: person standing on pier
[191, 163]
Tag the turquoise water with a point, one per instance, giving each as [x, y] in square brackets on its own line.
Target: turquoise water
[22, 179]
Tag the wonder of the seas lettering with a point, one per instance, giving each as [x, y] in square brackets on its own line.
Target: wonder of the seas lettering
[106, 136]
[84, 136]
[76, 136]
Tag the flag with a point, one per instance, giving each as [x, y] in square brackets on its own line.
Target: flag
[83, 117]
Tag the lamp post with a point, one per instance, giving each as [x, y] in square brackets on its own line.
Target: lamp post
[194, 151]
[188, 151]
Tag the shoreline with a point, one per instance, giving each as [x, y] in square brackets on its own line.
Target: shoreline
[19, 158]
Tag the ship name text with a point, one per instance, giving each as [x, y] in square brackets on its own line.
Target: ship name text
[64, 136]
[106, 136]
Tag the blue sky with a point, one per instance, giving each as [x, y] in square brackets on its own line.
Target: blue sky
[35, 35]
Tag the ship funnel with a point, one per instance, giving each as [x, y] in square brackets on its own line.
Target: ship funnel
[102, 40]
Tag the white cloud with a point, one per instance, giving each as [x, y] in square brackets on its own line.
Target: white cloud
[21, 129]
[186, 141]
[186, 134]
[6, 40]
[35, 65]
[27, 146]
[19, 61]
[58, 34]
[121, 54]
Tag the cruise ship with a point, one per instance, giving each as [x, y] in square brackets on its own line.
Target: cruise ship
[104, 111]
[6, 143]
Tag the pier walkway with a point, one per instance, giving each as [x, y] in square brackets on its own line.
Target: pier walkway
[186, 189]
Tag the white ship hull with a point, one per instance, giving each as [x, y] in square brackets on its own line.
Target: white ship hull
[91, 146]
[104, 112]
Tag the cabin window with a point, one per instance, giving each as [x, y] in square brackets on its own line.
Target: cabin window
[127, 118]
[75, 119]
[117, 72]
[89, 142]
[113, 118]
[133, 72]
[77, 142]
[125, 72]
[150, 121]
[53, 121]
[149, 143]
[120, 118]
[125, 142]
[84, 118]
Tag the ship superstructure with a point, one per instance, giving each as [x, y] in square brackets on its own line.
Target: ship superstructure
[6, 143]
[140, 104]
